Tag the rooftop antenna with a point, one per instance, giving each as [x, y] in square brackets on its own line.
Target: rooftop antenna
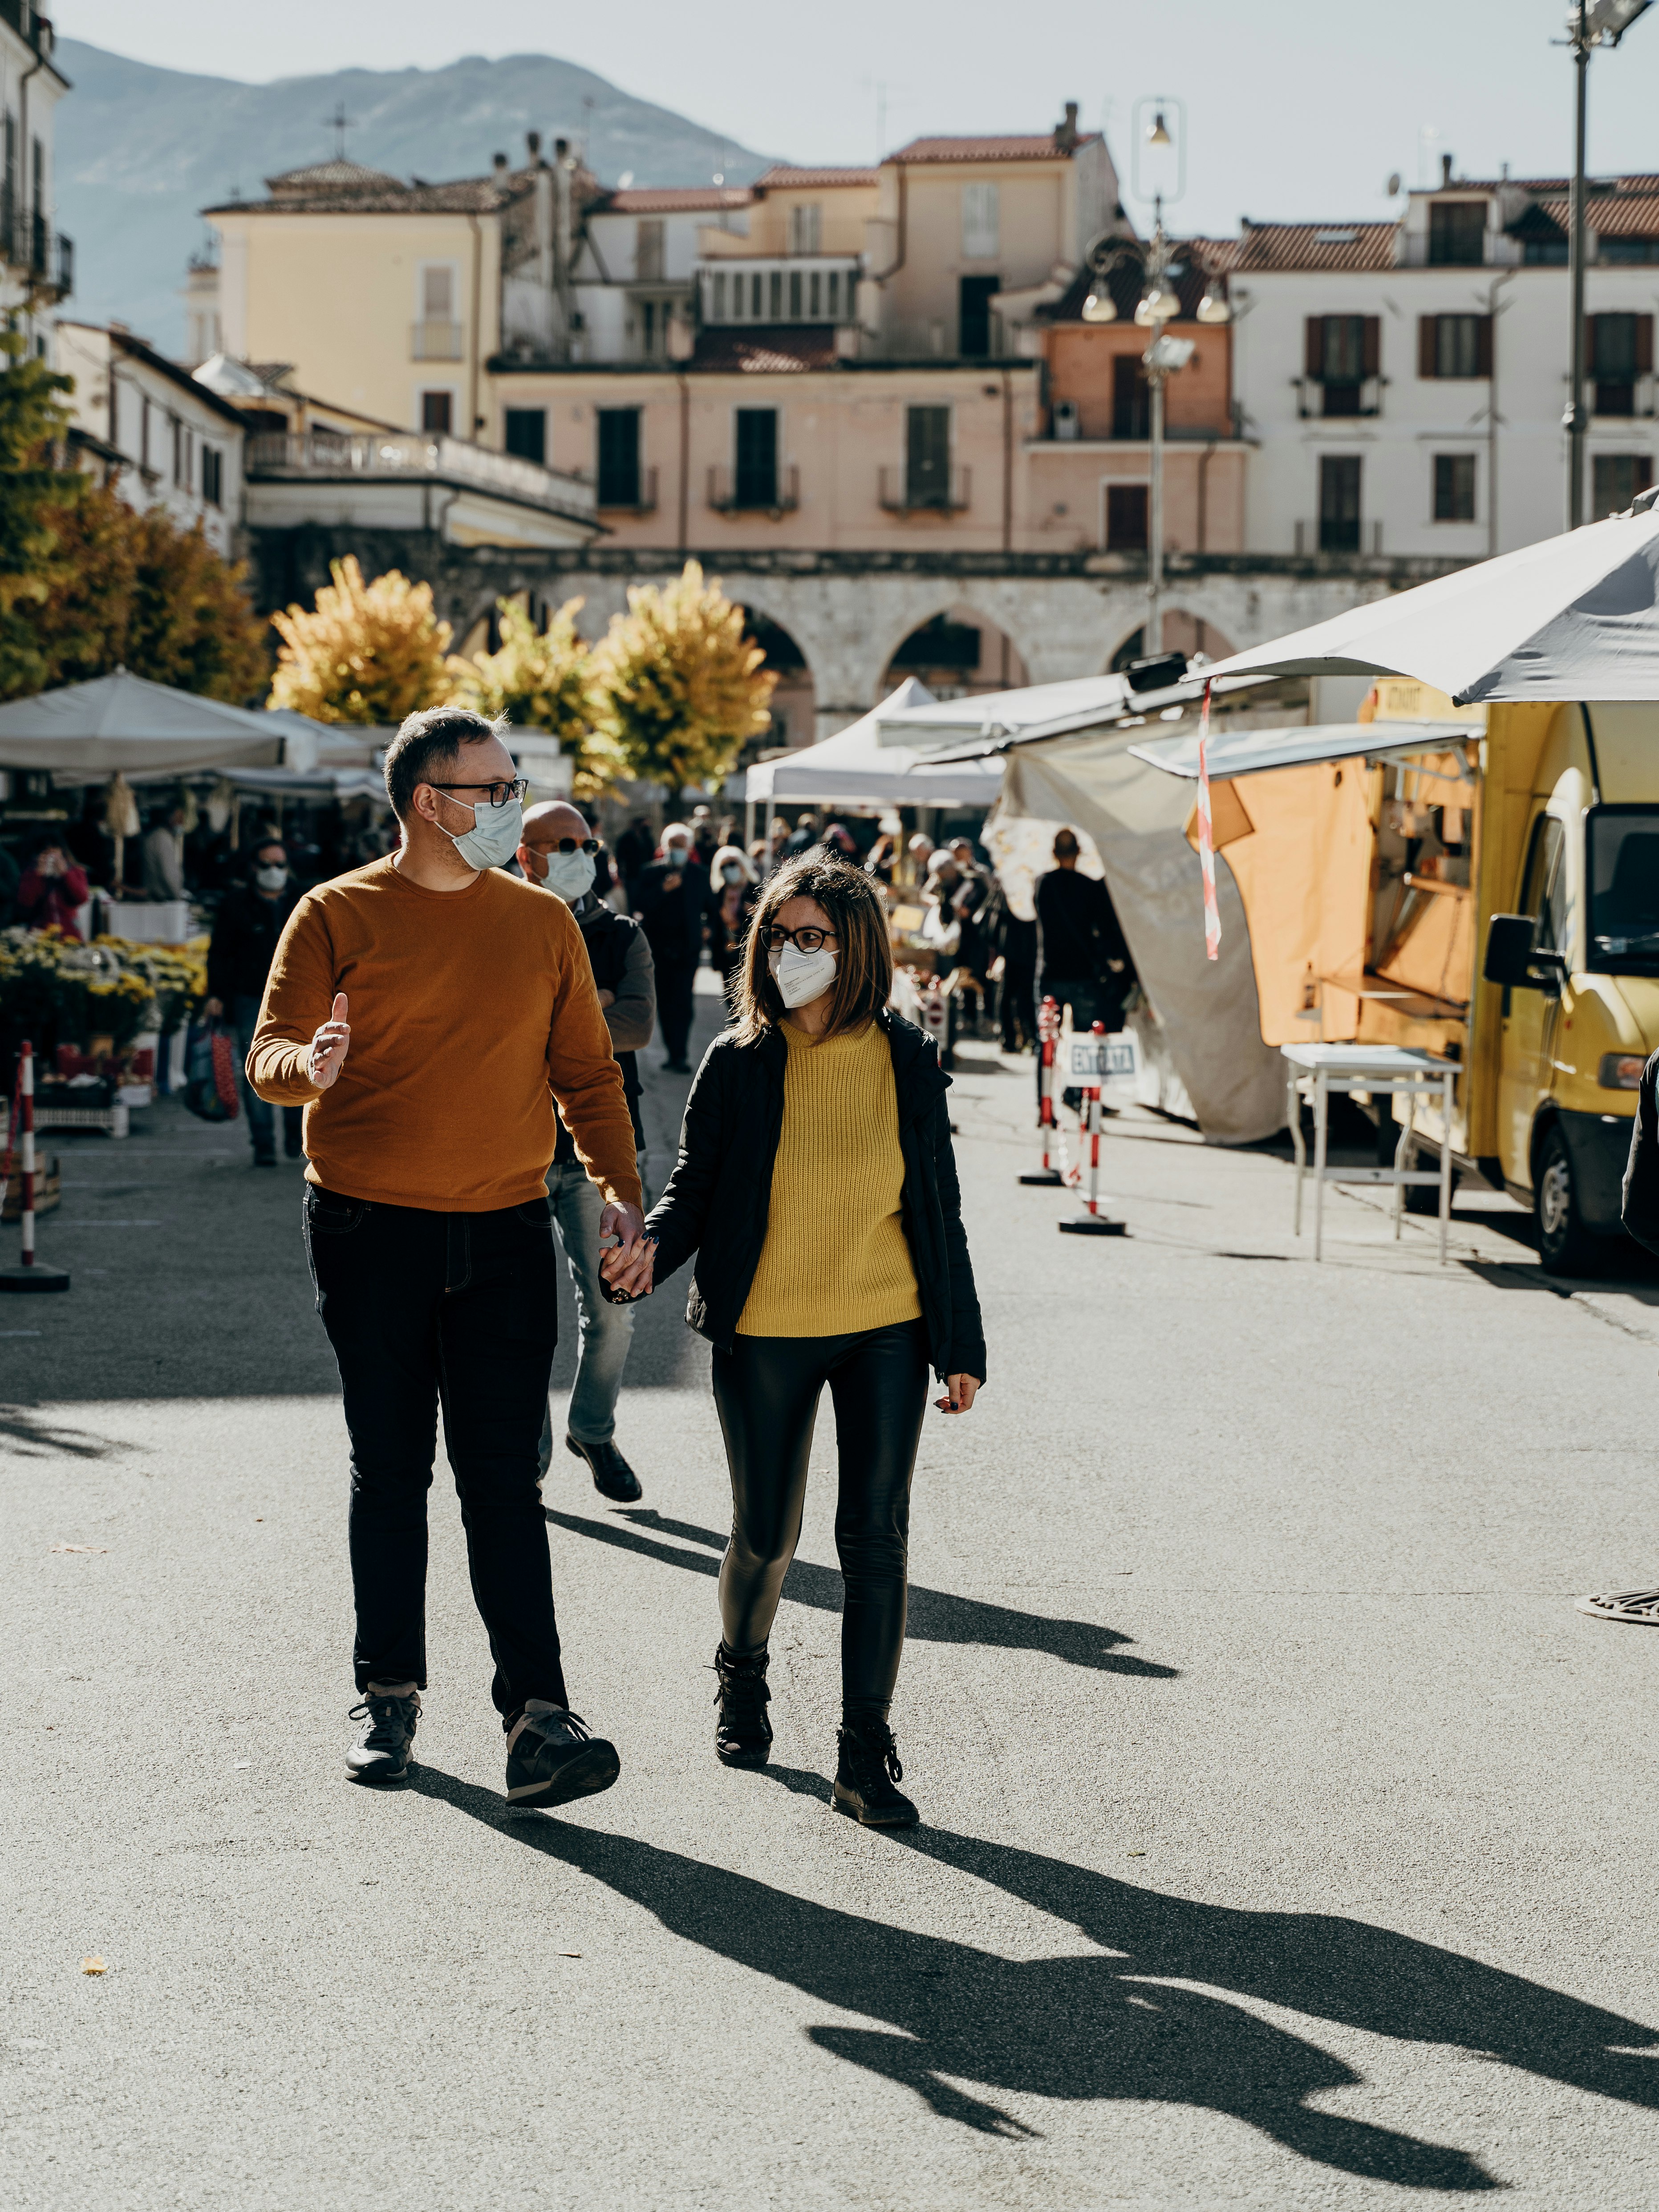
[339, 122]
[587, 129]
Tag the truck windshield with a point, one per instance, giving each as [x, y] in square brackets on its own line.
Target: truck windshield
[1623, 853]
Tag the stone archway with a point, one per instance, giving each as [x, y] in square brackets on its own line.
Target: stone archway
[957, 653]
[794, 700]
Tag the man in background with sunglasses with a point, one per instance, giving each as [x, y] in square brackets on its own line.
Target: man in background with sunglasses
[560, 852]
[427, 1010]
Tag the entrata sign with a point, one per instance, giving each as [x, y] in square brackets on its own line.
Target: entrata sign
[1098, 1059]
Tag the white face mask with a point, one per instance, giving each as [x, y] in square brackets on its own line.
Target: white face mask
[570, 875]
[801, 977]
[495, 837]
[732, 873]
[270, 880]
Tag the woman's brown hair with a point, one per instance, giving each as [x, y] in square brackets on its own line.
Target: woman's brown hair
[864, 957]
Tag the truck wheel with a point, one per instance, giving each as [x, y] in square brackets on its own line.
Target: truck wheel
[1566, 1246]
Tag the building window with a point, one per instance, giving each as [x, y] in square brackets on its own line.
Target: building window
[437, 413]
[797, 301]
[1457, 233]
[1343, 353]
[526, 433]
[1616, 478]
[1339, 503]
[1126, 518]
[974, 315]
[1453, 487]
[756, 311]
[213, 476]
[1131, 397]
[1620, 349]
[805, 228]
[928, 456]
[756, 471]
[144, 431]
[815, 311]
[438, 292]
[652, 324]
[1626, 252]
[1544, 252]
[1454, 345]
[834, 289]
[619, 456]
[648, 236]
[980, 214]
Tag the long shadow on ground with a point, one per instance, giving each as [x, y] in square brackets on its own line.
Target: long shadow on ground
[937, 1616]
[1109, 2023]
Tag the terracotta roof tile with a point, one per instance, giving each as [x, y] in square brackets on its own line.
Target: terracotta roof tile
[673, 199]
[1039, 147]
[1317, 246]
[781, 177]
[775, 347]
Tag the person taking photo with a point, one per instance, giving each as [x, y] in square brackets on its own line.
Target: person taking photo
[816, 1188]
[250, 918]
[427, 1010]
[560, 852]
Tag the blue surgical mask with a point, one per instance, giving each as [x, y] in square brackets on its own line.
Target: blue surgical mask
[495, 837]
[570, 875]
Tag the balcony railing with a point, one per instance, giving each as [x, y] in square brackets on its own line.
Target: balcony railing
[637, 495]
[43, 256]
[1338, 398]
[323, 452]
[1331, 533]
[806, 287]
[902, 494]
[745, 491]
[434, 342]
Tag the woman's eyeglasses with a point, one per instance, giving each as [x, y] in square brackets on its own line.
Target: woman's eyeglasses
[500, 793]
[804, 940]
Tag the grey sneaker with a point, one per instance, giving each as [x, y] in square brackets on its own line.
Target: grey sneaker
[551, 1758]
[385, 1744]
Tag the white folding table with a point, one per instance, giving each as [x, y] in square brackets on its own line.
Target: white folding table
[1313, 1071]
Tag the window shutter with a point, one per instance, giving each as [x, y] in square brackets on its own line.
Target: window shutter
[1426, 357]
[1644, 345]
[1483, 345]
[1372, 357]
[1314, 350]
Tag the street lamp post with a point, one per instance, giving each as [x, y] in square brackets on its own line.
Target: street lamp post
[1591, 23]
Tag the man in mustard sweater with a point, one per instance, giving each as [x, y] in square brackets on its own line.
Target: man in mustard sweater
[427, 1010]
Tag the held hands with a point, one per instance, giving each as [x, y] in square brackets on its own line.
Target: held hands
[329, 1046]
[962, 1390]
[627, 1263]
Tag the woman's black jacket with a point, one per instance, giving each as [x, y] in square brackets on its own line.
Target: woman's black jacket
[718, 1197]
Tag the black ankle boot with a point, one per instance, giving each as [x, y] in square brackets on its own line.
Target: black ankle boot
[868, 1769]
[743, 1734]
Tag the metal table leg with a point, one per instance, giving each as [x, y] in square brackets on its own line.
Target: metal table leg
[1322, 1114]
[1446, 1082]
[1294, 1109]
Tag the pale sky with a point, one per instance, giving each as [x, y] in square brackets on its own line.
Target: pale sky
[1296, 108]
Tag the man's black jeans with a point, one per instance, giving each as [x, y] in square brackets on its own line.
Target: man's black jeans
[461, 1309]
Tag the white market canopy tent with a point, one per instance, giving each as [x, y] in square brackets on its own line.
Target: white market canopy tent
[856, 768]
[1572, 617]
[124, 724]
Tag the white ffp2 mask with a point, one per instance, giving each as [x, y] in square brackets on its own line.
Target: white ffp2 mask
[801, 977]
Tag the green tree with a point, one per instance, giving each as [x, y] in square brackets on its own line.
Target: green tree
[544, 680]
[680, 690]
[366, 653]
[34, 491]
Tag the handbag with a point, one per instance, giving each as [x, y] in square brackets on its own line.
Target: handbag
[212, 1090]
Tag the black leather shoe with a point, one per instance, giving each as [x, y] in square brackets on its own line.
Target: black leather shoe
[264, 1159]
[612, 1476]
[743, 1734]
[385, 1744]
[868, 1769]
[551, 1758]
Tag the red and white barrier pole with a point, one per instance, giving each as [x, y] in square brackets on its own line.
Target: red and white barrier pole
[1091, 1222]
[29, 1275]
[1047, 1045]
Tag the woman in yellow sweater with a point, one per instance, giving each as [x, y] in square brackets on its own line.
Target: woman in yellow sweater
[817, 1186]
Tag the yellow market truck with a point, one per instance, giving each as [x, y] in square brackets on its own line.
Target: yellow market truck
[1482, 882]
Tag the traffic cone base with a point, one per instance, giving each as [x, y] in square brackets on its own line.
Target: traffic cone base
[33, 1278]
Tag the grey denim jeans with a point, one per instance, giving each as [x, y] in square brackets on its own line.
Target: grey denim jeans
[603, 1331]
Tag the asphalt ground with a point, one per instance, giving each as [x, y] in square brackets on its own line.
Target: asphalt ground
[1286, 1836]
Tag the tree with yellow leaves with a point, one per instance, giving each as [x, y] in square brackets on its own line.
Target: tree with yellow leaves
[544, 680]
[680, 689]
[366, 653]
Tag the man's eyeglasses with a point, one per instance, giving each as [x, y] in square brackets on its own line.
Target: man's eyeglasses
[571, 845]
[804, 940]
[500, 793]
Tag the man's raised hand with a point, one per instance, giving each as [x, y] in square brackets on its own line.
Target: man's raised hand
[329, 1046]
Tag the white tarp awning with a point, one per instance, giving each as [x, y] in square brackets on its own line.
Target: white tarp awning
[1572, 618]
[123, 723]
[855, 768]
[1248, 752]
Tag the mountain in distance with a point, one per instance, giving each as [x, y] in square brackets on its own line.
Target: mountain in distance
[140, 151]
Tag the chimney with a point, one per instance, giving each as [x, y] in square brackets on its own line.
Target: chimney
[1066, 132]
[561, 148]
[500, 163]
[1445, 171]
[533, 139]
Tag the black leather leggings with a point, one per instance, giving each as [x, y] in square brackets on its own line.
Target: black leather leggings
[766, 1392]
